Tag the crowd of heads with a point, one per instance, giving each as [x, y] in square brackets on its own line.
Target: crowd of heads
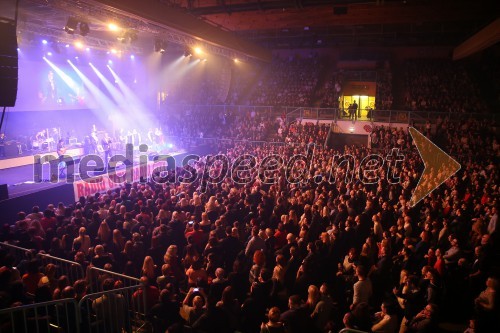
[288, 81]
[277, 254]
[441, 85]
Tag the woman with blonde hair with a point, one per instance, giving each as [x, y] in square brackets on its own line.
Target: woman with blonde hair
[212, 209]
[313, 297]
[83, 239]
[104, 232]
[212, 204]
[149, 268]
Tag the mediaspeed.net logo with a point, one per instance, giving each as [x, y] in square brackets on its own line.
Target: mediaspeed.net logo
[245, 168]
[213, 169]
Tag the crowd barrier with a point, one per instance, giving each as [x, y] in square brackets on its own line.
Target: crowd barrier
[135, 303]
[19, 254]
[55, 316]
[96, 312]
[96, 275]
[73, 270]
[114, 311]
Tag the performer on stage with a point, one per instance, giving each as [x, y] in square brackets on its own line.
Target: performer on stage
[136, 138]
[61, 151]
[106, 148]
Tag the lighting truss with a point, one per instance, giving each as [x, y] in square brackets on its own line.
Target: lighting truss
[59, 35]
[90, 9]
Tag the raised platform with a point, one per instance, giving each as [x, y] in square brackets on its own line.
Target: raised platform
[24, 192]
[15, 162]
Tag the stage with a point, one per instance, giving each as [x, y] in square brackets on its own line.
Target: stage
[24, 191]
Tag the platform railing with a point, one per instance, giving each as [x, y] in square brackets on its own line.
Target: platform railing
[309, 112]
[62, 315]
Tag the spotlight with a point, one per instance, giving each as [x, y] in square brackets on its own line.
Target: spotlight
[79, 45]
[236, 60]
[71, 25]
[110, 62]
[170, 145]
[351, 129]
[132, 57]
[160, 46]
[84, 28]
[87, 49]
[67, 45]
[49, 54]
[198, 50]
[44, 42]
[113, 27]
[114, 51]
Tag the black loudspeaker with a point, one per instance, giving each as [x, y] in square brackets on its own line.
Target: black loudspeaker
[8, 63]
[339, 10]
[4, 192]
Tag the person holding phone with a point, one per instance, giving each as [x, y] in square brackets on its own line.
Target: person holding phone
[194, 305]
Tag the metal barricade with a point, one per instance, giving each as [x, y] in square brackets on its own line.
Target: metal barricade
[95, 276]
[55, 316]
[73, 270]
[19, 253]
[113, 311]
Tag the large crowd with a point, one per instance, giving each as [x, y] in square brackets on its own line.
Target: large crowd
[441, 85]
[289, 249]
[290, 81]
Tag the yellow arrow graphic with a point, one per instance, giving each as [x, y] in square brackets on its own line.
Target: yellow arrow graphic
[439, 166]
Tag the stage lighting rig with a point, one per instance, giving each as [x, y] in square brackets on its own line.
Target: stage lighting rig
[71, 25]
[84, 28]
[160, 46]
[128, 36]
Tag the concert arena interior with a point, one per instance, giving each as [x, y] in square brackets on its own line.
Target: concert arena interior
[249, 166]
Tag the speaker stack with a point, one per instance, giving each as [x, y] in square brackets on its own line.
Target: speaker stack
[8, 61]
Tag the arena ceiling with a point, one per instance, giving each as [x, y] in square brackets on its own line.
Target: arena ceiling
[272, 23]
